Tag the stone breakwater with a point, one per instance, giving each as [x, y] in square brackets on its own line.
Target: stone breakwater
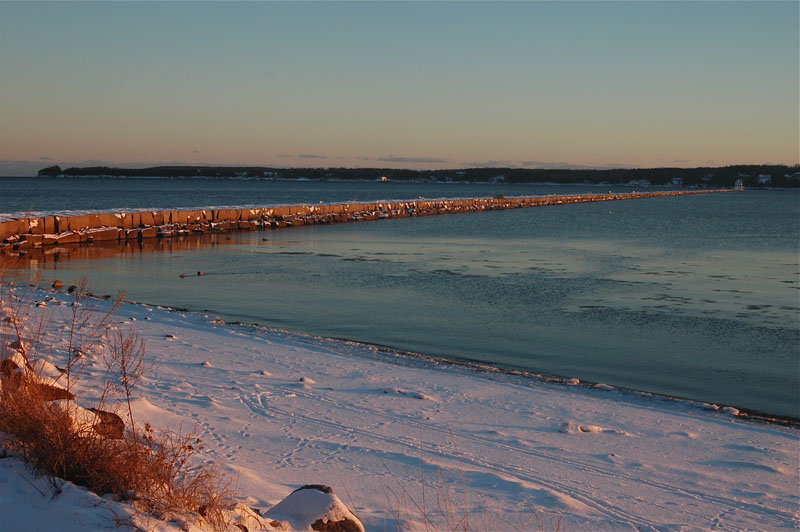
[23, 233]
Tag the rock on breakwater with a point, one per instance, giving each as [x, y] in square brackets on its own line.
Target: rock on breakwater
[23, 233]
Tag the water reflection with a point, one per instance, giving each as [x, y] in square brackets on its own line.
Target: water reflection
[23, 264]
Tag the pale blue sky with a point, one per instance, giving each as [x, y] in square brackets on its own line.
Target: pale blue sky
[420, 85]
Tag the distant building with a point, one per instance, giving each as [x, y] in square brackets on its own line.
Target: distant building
[677, 181]
[764, 179]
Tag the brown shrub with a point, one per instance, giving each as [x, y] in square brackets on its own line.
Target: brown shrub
[158, 472]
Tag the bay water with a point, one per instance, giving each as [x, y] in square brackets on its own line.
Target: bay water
[692, 296]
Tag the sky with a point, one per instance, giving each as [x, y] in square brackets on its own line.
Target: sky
[419, 85]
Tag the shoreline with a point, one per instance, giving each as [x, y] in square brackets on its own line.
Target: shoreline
[425, 360]
[279, 410]
[405, 357]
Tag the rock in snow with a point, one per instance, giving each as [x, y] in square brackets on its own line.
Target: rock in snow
[315, 507]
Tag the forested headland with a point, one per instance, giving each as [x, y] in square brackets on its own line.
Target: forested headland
[777, 176]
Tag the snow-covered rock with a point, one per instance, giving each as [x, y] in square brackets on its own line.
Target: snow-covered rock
[315, 507]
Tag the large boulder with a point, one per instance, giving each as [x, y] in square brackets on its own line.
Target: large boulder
[146, 218]
[17, 375]
[83, 419]
[76, 223]
[103, 234]
[36, 226]
[69, 237]
[147, 232]
[11, 228]
[108, 424]
[13, 377]
[315, 507]
[130, 220]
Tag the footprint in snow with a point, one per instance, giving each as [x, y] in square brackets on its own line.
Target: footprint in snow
[741, 465]
[683, 434]
[203, 400]
[608, 458]
[406, 393]
[747, 448]
[570, 427]
[305, 383]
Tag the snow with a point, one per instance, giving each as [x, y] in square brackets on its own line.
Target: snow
[392, 435]
[28, 503]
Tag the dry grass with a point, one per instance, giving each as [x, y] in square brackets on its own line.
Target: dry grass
[157, 472]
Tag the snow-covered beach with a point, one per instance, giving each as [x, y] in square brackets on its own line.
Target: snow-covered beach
[391, 435]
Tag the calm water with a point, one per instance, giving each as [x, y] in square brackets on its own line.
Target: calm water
[24, 194]
[692, 296]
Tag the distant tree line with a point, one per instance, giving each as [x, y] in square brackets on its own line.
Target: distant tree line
[727, 176]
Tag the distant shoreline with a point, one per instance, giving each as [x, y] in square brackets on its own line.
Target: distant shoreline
[728, 176]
